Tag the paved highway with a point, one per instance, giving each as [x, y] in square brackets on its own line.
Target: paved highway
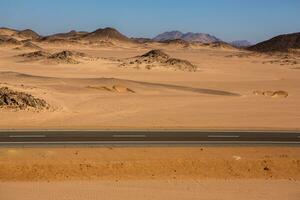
[144, 138]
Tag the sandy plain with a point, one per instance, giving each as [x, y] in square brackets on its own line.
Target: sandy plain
[181, 190]
[224, 93]
[150, 173]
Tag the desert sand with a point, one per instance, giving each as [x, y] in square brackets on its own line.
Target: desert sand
[107, 87]
[158, 190]
[150, 173]
[50, 164]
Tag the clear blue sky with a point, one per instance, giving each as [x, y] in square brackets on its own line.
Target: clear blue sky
[254, 20]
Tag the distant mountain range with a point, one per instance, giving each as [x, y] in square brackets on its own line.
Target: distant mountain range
[279, 43]
[189, 37]
[105, 34]
[241, 43]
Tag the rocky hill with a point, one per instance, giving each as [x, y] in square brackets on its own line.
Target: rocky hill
[281, 43]
[106, 34]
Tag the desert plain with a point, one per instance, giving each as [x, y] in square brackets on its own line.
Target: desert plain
[108, 88]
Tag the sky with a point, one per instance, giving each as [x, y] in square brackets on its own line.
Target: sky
[229, 20]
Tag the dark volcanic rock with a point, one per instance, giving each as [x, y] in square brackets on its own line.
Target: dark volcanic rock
[183, 65]
[281, 43]
[66, 57]
[35, 55]
[19, 100]
[156, 55]
[158, 58]
[109, 34]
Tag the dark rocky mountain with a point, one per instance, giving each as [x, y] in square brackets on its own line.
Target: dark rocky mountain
[189, 37]
[281, 43]
[241, 43]
[106, 34]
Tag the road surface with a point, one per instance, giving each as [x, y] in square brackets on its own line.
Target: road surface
[132, 138]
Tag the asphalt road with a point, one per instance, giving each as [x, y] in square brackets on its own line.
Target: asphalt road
[144, 138]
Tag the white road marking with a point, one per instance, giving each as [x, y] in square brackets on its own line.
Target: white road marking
[223, 136]
[153, 142]
[129, 136]
[27, 136]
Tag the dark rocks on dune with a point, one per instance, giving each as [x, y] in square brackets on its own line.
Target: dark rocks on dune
[35, 55]
[19, 100]
[183, 65]
[156, 54]
[66, 56]
[160, 58]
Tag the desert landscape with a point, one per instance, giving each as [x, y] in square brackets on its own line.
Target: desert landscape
[105, 80]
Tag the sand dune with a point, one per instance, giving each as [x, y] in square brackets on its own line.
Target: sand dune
[118, 85]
